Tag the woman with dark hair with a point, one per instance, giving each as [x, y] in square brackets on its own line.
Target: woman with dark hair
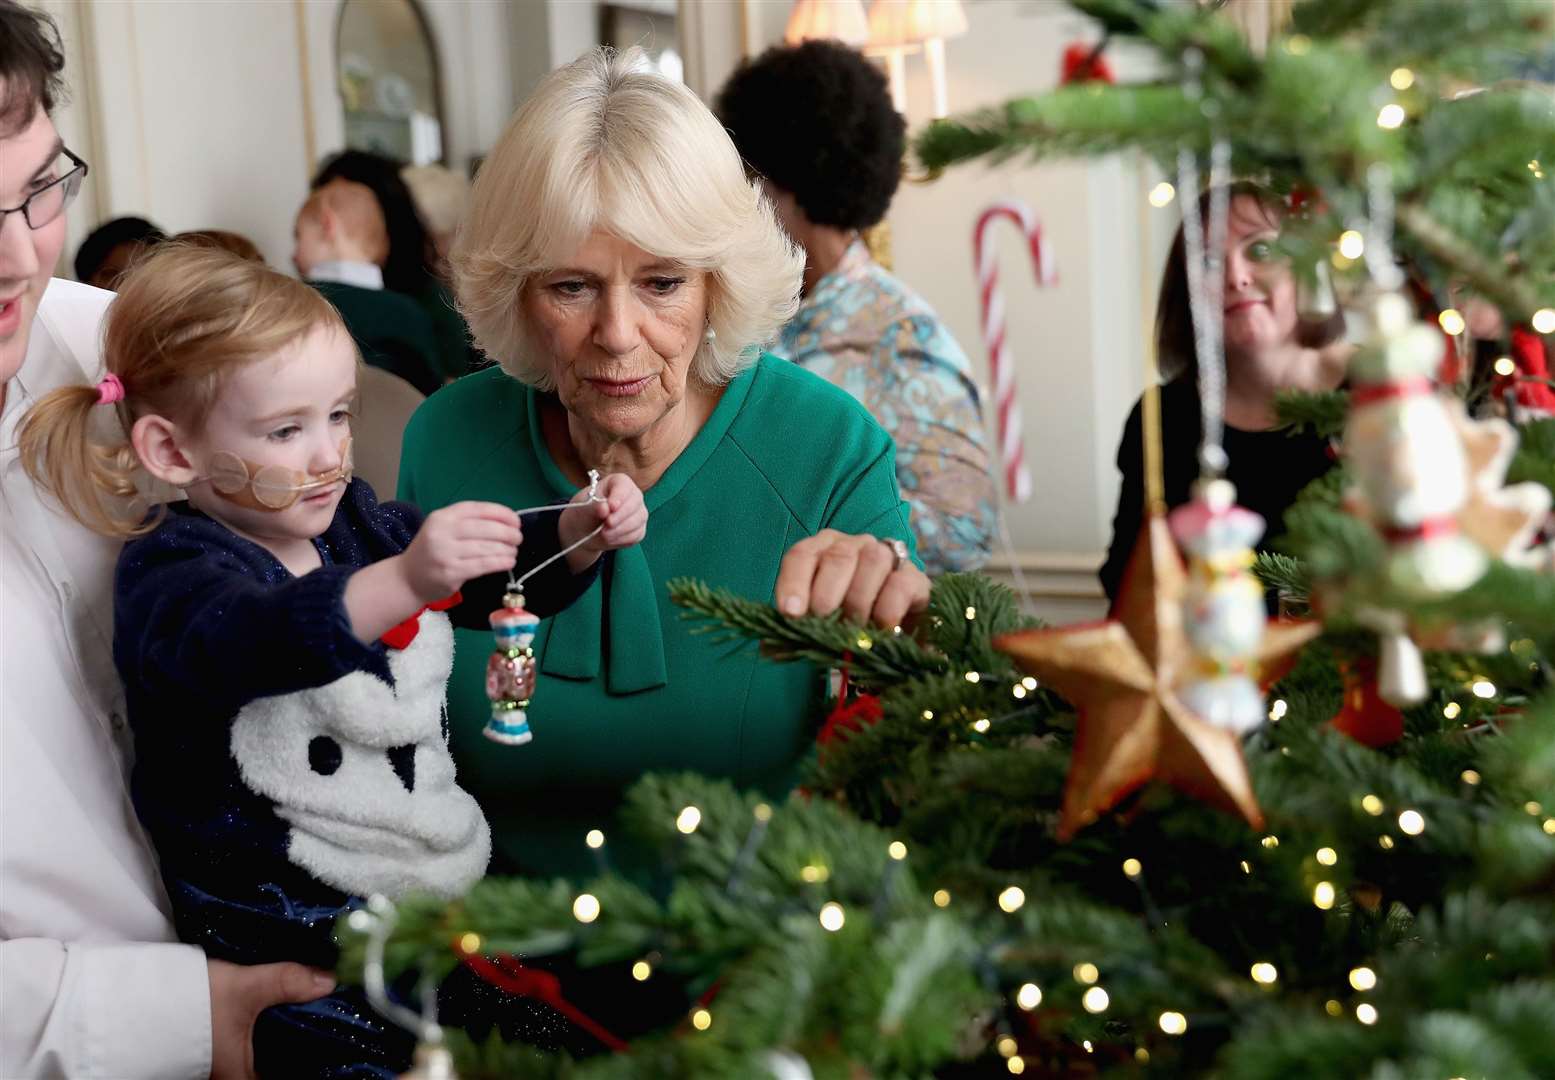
[410, 267]
[1268, 349]
[108, 250]
[816, 124]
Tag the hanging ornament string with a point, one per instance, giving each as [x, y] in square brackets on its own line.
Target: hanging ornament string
[515, 585]
[511, 669]
[1204, 247]
[1150, 403]
[1380, 263]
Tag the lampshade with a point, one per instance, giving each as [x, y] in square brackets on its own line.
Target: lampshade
[911, 22]
[840, 20]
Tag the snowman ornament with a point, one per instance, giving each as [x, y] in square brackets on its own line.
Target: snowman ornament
[1405, 452]
[1412, 481]
[1223, 608]
[360, 770]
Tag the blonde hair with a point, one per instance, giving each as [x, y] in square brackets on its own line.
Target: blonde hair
[441, 196]
[184, 318]
[606, 143]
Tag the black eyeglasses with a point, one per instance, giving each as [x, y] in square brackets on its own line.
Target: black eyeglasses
[48, 202]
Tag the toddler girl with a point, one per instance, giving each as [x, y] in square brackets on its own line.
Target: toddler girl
[284, 638]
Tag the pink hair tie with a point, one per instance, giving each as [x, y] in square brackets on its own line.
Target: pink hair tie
[110, 390]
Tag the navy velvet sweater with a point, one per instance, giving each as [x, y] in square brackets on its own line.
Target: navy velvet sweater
[213, 637]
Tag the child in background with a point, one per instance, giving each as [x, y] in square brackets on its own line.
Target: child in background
[284, 638]
[340, 243]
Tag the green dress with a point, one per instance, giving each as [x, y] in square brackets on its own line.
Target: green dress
[624, 687]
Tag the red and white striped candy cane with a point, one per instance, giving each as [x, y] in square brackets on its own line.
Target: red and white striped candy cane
[1012, 447]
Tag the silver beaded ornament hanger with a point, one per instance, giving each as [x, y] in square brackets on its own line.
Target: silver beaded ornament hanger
[1204, 249]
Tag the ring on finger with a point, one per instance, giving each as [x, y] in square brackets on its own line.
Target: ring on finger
[898, 553]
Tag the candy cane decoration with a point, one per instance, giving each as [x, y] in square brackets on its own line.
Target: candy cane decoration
[1012, 448]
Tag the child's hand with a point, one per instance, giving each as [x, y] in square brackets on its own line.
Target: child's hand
[458, 543]
[622, 513]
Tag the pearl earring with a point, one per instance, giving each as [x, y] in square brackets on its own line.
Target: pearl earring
[711, 335]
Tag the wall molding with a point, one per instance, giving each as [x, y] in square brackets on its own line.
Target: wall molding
[1062, 586]
[1058, 575]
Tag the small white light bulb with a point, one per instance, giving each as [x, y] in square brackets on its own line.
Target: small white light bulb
[1173, 1023]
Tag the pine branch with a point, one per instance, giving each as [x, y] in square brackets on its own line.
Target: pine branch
[1283, 574]
[1323, 414]
[873, 655]
[1535, 458]
[1069, 121]
[1488, 278]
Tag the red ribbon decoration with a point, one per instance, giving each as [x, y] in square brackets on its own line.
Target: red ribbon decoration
[400, 637]
[1532, 393]
[1303, 198]
[1429, 529]
[848, 717]
[1084, 63]
[507, 973]
[1364, 716]
[1371, 393]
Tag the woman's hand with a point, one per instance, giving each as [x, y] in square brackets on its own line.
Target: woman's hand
[622, 514]
[860, 574]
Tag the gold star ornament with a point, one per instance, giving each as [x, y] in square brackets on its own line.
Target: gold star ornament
[1122, 676]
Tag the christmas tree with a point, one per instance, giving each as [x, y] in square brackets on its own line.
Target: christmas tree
[970, 884]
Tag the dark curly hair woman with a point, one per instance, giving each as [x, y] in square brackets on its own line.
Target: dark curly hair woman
[815, 122]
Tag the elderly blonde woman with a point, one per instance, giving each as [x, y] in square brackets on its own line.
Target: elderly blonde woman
[623, 272]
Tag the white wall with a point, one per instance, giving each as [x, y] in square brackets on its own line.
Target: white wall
[574, 29]
[215, 114]
[199, 115]
[74, 119]
[478, 90]
[1078, 347]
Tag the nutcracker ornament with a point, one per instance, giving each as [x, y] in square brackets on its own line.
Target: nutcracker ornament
[1223, 607]
[510, 672]
[1412, 478]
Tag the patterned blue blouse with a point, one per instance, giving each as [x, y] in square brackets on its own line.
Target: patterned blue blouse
[870, 334]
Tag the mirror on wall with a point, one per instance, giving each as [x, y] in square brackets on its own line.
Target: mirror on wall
[386, 71]
[651, 24]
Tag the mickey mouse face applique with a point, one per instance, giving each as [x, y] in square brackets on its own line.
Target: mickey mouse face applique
[361, 772]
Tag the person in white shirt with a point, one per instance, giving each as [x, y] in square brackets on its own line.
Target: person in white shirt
[92, 980]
